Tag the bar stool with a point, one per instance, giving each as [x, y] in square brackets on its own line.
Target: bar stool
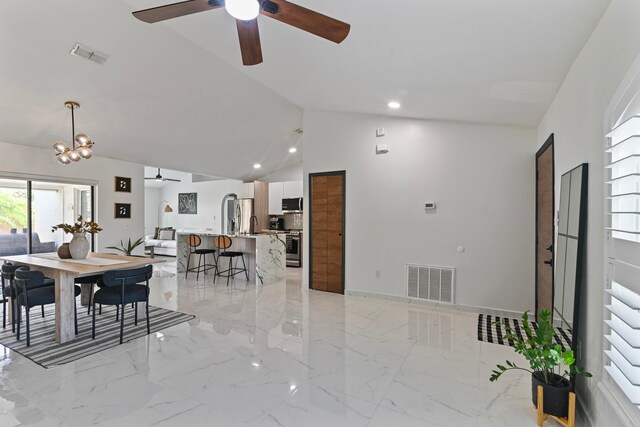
[223, 243]
[193, 240]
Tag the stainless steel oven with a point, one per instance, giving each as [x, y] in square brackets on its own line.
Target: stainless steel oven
[294, 249]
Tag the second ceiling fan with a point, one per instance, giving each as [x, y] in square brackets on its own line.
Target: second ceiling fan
[246, 14]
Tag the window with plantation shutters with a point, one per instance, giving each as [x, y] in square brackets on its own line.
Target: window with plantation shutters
[622, 290]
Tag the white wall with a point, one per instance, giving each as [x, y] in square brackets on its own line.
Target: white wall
[151, 209]
[481, 177]
[210, 195]
[42, 163]
[576, 116]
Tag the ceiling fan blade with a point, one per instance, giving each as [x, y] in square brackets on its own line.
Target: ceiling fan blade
[306, 19]
[160, 13]
[171, 179]
[148, 177]
[249, 41]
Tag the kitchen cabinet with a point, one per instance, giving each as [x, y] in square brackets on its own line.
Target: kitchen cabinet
[292, 189]
[276, 194]
[246, 191]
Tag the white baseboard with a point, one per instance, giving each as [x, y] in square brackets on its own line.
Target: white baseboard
[446, 306]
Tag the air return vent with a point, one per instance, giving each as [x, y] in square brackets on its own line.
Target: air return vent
[430, 283]
[88, 53]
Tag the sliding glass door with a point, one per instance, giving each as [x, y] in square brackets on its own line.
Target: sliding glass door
[28, 210]
[13, 217]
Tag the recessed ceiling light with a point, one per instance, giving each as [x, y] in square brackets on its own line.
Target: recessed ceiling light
[293, 149]
[393, 104]
[257, 166]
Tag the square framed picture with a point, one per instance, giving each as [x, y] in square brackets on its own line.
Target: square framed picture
[122, 210]
[188, 203]
[123, 184]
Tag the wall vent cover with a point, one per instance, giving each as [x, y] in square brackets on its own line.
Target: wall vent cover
[431, 283]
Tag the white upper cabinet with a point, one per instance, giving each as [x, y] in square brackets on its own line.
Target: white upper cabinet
[246, 192]
[292, 189]
[275, 198]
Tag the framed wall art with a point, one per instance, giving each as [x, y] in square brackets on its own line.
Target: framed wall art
[123, 184]
[122, 210]
[188, 203]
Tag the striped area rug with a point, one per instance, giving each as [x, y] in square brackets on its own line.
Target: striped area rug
[489, 331]
[47, 353]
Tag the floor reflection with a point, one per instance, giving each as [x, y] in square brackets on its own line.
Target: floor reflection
[275, 355]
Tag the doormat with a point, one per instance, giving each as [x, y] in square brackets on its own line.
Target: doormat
[493, 329]
[45, 351]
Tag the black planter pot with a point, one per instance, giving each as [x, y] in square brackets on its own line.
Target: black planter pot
[556, 399]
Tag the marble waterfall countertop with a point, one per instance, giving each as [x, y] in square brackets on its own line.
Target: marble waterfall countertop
[264, 254]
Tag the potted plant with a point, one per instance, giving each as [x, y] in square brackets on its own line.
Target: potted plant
[544, 356]
[128, 249]
[79, 245]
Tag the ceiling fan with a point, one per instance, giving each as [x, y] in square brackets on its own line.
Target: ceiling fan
[246, 14]
[160, 178]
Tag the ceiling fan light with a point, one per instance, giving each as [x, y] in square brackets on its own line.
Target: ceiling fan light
[82, 139]
[73, 156]
[60, 147]
[245, 10]
[85, 152]
[63, 159]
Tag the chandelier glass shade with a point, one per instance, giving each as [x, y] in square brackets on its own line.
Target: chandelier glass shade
[81, 144]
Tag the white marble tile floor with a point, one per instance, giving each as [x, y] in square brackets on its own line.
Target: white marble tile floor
[277, 355]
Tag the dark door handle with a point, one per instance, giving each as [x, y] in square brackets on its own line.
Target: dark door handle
[550, 248]
[549, 261]
[340, 234]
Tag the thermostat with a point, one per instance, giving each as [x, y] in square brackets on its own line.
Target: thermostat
[430, 205]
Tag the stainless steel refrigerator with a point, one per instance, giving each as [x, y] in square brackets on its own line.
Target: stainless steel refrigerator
[240, 214]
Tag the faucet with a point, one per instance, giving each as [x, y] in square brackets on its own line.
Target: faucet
[253, 218]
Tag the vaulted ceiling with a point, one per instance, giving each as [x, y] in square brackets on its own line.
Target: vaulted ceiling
[174, 94]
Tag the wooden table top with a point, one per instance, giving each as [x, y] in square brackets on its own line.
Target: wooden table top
[51, 260]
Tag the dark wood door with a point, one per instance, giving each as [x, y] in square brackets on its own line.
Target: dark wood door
[545, 212]
[327, 195]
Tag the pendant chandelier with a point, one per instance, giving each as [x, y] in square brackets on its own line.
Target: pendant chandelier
[80, 144]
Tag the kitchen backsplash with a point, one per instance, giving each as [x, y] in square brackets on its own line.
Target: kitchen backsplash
[293, 221]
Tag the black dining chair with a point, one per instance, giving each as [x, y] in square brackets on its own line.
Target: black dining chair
[30, 291]
[7, 275]
[88, 280]
[122, 287]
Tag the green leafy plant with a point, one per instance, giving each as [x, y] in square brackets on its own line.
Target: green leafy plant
[79, 226]
[128, 249]
[540, 351]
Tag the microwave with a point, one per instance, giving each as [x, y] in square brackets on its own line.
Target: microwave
[292, 205]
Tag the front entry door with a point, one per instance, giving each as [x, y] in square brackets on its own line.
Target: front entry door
[326, 237]
[545, 212]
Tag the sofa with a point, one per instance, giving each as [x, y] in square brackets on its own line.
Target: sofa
[154, 245]
[15, 243]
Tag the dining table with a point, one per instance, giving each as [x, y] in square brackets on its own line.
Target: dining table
[65, 271]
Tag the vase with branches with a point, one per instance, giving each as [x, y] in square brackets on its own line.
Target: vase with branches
[79, 245]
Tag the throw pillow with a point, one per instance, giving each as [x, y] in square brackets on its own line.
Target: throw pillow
[165, 234]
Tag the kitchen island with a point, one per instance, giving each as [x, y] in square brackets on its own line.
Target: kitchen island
[264, 254]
